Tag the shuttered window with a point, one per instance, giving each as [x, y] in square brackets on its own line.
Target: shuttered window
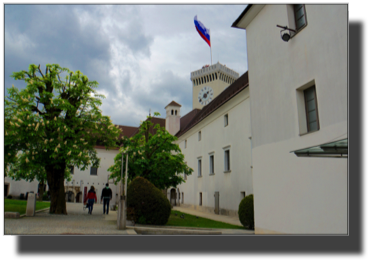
[311, 109]
[94, 171]
[300, 16]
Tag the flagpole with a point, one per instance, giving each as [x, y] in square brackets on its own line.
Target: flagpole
[211, 53]
[210, 48]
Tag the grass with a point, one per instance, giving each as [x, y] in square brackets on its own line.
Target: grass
[12, 205]
[200, 222]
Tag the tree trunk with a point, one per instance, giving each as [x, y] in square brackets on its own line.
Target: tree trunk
[40, 190]
[55, 178]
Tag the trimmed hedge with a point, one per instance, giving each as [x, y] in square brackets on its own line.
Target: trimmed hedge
[146, 203]
[246, 214]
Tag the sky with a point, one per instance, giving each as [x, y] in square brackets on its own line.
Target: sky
[141, 55]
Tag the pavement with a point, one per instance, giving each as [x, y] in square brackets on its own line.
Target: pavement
[79, 222]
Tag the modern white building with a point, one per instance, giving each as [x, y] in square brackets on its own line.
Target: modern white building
[298, 103]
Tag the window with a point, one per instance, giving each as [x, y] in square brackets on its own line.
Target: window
[311, 109]
[94, 171]
[182, 197]
[71, 168]
[199, 167]
[199, 136]
[299, 16]
[200, 199]
[211, 164]
[185, 143]
[225, 120]
[227, 165]
[184, 175]
[242, 195]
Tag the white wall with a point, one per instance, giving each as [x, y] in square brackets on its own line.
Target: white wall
[80, 178]
[99, 181]
[214, 138]
[298, 195]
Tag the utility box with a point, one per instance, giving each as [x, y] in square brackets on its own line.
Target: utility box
[31, 204]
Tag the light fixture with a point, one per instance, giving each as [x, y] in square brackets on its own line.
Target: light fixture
[285, 33]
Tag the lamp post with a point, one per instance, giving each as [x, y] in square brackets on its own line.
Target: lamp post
[121, 212]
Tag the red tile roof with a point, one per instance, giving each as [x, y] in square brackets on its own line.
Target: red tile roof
[155, 121]
[127, 131]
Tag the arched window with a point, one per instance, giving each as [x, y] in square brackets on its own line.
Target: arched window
[172, 112]
[207, 79]
[175, 112]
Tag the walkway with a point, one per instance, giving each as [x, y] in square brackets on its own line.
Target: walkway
[79, 222]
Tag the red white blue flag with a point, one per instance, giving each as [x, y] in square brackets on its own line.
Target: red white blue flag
[202, 30]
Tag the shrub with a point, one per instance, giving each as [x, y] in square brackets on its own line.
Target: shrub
[146, 203]
[45, 196]
[246, 214]
[9, 196]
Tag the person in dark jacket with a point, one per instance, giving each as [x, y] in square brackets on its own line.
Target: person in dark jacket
[91, 197]
[107, 196]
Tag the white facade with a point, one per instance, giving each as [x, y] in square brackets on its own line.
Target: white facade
[80, 180]
[296, 195]
[216, 137]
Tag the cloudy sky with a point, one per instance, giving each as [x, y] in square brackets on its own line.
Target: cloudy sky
[141, 55]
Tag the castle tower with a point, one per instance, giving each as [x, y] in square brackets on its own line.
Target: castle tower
[209, 82]
[173, 116]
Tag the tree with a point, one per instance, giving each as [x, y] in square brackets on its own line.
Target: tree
[52, 123]
[155, 157]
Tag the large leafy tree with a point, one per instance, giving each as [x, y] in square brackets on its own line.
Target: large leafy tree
[54, 122]
[156, 157]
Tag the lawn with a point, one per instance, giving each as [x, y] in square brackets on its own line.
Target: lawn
[200, 222]
[11, 205]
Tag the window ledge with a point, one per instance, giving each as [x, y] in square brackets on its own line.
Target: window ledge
[200, 176]
[309, 132]
[212, 174]
[228, 171]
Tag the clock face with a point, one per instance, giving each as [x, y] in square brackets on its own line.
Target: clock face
[205, 95]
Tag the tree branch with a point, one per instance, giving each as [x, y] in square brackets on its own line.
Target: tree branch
[39, 69]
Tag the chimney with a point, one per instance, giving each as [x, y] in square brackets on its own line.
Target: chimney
[173, 117]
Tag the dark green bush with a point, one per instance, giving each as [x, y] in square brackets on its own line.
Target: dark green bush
[9, 196]
[45, 196]
[146, 203]
[246, 215]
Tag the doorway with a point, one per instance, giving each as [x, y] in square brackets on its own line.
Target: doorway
[173, 197]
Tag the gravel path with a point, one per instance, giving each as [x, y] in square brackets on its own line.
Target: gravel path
[77, 222]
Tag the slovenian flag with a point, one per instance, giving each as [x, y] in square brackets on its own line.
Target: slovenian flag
[202, 30]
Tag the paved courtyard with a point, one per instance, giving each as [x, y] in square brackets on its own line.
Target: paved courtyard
[79, 222]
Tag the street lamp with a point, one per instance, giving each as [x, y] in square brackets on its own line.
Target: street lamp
[285, 33]
[121, 212]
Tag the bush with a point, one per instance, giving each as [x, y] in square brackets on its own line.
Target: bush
[246, 214]
[146, 203]
[9, 196]
[45, 196]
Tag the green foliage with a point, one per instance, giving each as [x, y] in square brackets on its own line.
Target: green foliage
[45, 196]
[246, 214]
[9, 196]
[155, 157]
[146, 203]
[55, 121]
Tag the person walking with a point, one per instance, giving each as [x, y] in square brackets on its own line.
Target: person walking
[91, 197]
[107, 196]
